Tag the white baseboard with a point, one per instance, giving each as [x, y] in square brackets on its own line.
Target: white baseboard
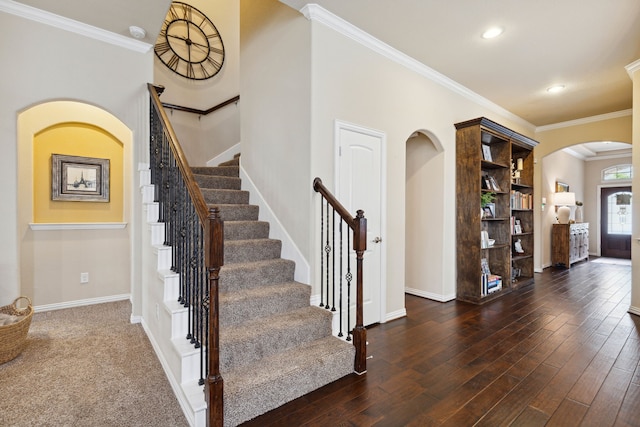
[277, 230]
[429, 295]
[634, 310]
[226, 155]
[395, 315]
[80, 303]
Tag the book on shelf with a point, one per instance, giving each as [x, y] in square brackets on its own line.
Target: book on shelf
[491, 283]
[521, 201]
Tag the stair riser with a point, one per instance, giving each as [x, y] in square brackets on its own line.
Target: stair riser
[292, 376]
[217, 171]
[235, 309]
[251, 250]
[263, 274]
[216, 197]
[237, 212]
[244, 230]
[239, 350]
[220, 182]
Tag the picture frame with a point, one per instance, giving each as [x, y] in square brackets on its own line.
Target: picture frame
[561, 187]
[489, 210]
[82, 179]
[486, 153]
[494, 183]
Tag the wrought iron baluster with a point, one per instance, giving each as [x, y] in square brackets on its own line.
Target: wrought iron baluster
[321, 252]
[340, 334]
[327, 250]
[349, 277]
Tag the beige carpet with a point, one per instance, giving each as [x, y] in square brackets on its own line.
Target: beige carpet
[87, 366]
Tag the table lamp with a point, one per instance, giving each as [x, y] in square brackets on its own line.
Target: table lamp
[563, 201]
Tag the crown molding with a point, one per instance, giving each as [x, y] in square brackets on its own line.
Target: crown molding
[73, 26]
[314, 12]
[585, 120]
[632, 68]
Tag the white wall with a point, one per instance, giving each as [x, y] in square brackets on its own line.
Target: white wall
[563, 167]
[276, 111]
[53, 64]
[204, 137]
[424, 236]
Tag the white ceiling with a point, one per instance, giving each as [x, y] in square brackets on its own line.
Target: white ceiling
[583, 44]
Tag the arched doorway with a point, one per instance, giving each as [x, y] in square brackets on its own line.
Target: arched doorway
[56, 251]
[424, 218]
[582, 172]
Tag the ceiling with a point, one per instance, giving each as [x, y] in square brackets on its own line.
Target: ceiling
[582, 44]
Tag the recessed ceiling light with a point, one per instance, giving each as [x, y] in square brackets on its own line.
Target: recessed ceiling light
[555, 88]
[492, 32]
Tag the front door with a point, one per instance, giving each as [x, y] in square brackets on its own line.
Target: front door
[615, 222]
[360, 187]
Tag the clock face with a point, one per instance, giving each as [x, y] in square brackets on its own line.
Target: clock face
[189, 44]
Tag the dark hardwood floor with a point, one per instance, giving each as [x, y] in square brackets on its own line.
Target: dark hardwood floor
[564, 352]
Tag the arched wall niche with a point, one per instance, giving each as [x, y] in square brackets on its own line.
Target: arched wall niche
[424, 216]
[51, 259]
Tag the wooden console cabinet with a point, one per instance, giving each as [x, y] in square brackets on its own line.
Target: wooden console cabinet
[569, 243]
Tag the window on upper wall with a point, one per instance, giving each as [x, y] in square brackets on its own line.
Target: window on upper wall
[618, 173]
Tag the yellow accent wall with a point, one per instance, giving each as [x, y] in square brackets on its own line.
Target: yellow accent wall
[76, 139]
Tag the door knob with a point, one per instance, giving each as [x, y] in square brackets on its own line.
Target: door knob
[377, 240]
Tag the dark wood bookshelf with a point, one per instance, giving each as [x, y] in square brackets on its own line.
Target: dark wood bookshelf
[485, 152]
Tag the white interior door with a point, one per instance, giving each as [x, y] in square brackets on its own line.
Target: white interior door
[359, 186]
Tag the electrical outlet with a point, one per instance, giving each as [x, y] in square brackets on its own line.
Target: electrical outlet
[84, 277]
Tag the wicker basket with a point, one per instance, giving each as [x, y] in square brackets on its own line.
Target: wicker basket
[13, 338]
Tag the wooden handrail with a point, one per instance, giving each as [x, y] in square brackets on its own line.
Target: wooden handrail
[359, 227]
[194, 191]
[213, 236]
[319, 187]
[202, 112]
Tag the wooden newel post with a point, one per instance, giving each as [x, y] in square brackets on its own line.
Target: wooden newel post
[214, 259]
[359, 331]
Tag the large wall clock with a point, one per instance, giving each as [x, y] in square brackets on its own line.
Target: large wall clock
[189, 44]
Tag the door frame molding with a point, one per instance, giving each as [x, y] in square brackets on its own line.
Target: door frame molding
[599, 188]
[598, 230]
[343, 125]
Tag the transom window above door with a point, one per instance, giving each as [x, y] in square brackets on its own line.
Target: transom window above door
[618, 173]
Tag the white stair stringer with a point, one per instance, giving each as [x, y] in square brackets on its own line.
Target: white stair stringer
[165, 320]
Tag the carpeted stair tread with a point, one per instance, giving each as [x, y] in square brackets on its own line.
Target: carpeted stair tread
[216, 170]
[267, 384]
[252, 340]
[231, 212]
[248, 275]
[244, 230]
[216, 196]
[219, 182]
[251, 250]
[240, 306]
[232, 162]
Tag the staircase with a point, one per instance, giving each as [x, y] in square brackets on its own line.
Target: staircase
[275, 347]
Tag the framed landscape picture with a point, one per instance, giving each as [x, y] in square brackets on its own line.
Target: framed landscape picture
[75, 178]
